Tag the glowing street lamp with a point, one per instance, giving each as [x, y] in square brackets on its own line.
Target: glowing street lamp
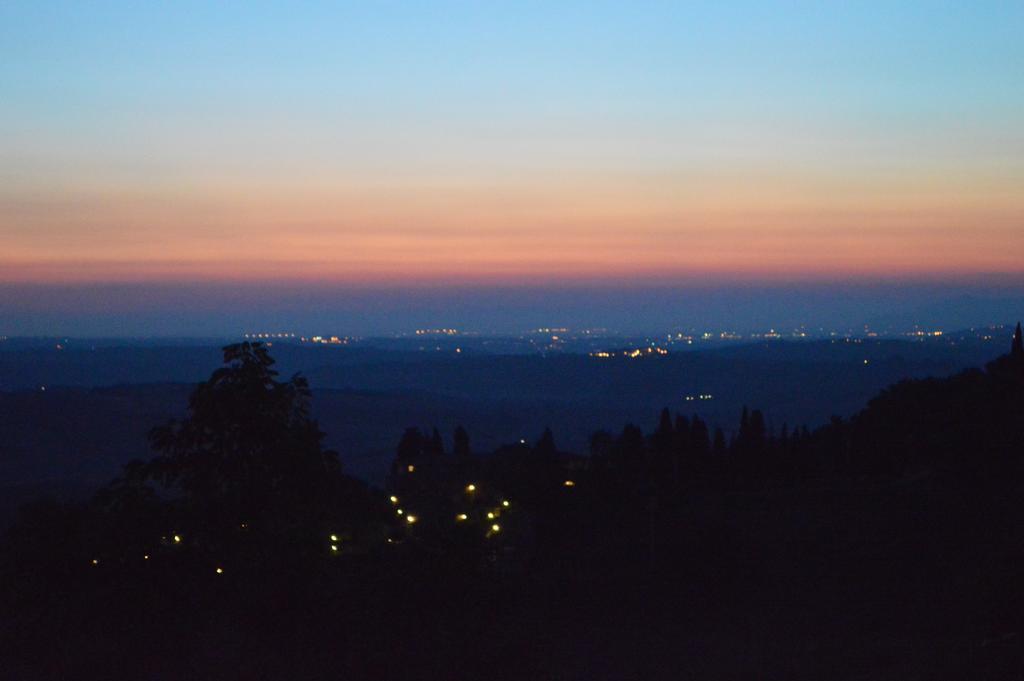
[569, 483]
[470, 488]
[462, 516]
[411, 519]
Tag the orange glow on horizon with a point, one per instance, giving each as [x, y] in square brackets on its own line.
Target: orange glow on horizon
[786, 228]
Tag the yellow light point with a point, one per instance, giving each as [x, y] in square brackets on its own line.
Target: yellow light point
[569, 483]
[220, 571]
[145, 557]
[334, 537]
[399, 511]
[177, 539]
[411, 519]
[470, 487]
[410, 468]
[505, 503]
[495, 527]
[461, 516]
[95, 561]
[334, 547]
[394, 499]
[490, 515]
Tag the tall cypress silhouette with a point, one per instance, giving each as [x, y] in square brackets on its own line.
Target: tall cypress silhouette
[436, 446]
[546, 444]
[461, 443]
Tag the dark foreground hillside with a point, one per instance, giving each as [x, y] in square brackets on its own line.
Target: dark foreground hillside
[870, 581]
[886, 547]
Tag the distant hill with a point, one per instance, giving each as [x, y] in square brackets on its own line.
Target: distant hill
[99, 404]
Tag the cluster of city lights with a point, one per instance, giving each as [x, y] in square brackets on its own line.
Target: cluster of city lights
[470, 489]
[328, 340]
[437, 332]
[318, 340]
[175, 539]
[334, 540]
[694, 398]
[632, 354]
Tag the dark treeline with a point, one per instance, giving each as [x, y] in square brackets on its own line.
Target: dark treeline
[883, 546]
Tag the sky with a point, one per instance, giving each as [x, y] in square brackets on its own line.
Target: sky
[169, 167]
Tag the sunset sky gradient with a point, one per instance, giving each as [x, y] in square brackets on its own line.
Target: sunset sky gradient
[389, 145]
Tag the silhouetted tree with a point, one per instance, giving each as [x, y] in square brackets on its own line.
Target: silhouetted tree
[410, 446]
[700, 442]
[460, 446]
[545, 447]
[682, 435]
[664, 464]
[602, 443]
[435, 447]
[718, 449]
[248, 448]
[662, 438]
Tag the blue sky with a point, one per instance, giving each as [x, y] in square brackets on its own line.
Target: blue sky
[498, 145]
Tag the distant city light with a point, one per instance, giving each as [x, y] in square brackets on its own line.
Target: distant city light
[569, 483]
[437, 332]
[634, 353]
